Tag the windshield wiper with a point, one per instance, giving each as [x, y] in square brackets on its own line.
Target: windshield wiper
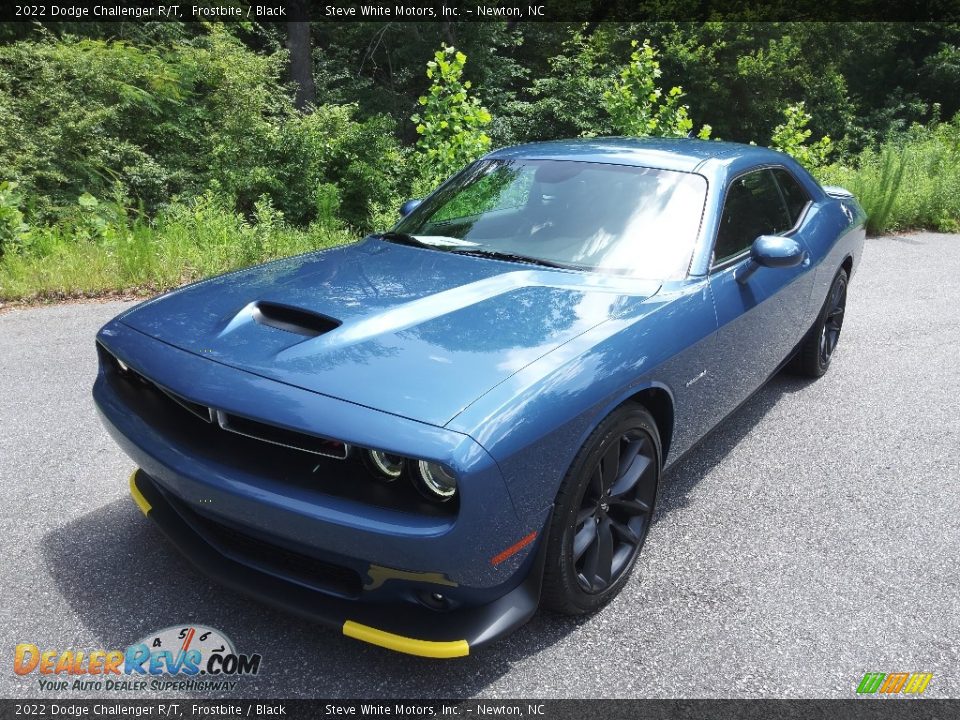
[404, 239]
[500, 255]
[407, 239]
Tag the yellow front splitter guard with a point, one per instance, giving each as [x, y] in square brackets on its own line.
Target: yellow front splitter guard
[410, 646]
[138, 497]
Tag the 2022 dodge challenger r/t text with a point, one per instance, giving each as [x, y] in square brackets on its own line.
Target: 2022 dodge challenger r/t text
[421, 437]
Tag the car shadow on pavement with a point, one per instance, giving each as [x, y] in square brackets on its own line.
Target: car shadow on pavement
[123, 581]
[682, 477]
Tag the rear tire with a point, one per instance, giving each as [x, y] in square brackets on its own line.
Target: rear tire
[603, 513]
[816, 350]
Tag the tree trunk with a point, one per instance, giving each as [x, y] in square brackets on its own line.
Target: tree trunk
[301, 62]
[446, 28]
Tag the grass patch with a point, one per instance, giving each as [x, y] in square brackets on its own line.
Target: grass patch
[110, 252]
[910, 182]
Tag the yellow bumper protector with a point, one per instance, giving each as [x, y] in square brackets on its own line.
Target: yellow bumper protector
[137, 495]
[410, 646]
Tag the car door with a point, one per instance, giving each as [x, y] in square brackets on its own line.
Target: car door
[760, 318]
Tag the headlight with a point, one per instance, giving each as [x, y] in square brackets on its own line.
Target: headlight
[384, 465]
[435, 482]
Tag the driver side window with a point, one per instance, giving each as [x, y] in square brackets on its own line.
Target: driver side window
[753, 207]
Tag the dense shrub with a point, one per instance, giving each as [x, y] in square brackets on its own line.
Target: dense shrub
[566, 101]
[361, 160]
[82, 115]
[450, 122]
[793, 137]
[637, 104]
[12, 225]
[911, 181]
[99, 117]
[149, 154]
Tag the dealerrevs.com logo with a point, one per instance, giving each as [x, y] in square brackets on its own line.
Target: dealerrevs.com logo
[181, 657]
[901, 683]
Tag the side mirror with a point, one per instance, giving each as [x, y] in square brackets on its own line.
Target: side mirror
[408, 207]
[772, 251]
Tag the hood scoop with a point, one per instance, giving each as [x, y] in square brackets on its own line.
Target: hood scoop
[291, 319]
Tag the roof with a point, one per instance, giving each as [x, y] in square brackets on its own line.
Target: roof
[685, 154]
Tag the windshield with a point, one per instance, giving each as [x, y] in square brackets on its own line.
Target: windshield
[637, 221]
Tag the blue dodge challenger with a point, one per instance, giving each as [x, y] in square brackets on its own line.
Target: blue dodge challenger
[421, 437]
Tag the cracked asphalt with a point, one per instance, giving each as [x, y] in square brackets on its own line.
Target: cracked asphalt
[813, 537]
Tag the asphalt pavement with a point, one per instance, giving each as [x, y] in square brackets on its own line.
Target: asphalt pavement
[813, 537]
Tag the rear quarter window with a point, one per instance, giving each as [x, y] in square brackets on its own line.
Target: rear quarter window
[794, 195]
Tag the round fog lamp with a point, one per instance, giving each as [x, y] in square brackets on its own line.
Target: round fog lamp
[435, 482]
[387, 466]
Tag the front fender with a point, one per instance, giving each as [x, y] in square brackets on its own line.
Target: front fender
[534, 423]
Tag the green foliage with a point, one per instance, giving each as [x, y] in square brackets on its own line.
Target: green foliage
[152, 153]
[330, 147]
[565, 98]
[184, 242]
[784, 63]
[876, 184]
[880, 190]
[12, 225]
[80, 115]
[639, 107]
[241, 118]
[736, 75]
[99, 117]
[451, 122]
[911, 181]
[792, 137]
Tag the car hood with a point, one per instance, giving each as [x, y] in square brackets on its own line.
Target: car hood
[410, 331]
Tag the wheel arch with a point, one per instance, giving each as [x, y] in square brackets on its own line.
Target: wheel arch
[847, 265]
[658, 401]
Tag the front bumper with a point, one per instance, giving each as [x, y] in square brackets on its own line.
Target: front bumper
[407, 629]
[375, 565]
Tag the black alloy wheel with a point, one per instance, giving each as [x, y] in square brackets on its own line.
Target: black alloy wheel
[830, 334]
[615, 511]
[603, 513]
[816, 350]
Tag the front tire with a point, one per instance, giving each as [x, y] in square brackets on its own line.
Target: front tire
[816, 350]
[603, 512]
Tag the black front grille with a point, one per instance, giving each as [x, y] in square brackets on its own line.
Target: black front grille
[254, 429]
[201, 411]
[324, 576]
[280, 436]
[320, 468]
